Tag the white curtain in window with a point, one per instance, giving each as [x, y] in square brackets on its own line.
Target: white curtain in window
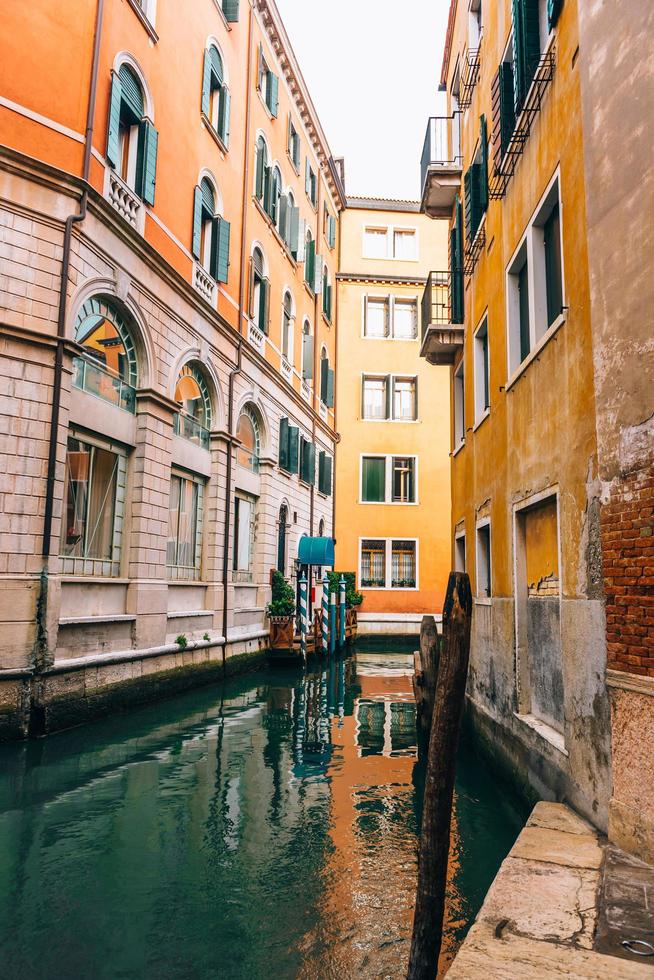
[404, 400]
[376, 318]
[374, 398]
[375, 243]
[405, 320]
[404, 245]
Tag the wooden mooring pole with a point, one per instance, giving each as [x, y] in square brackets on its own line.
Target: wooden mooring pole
[439, 780]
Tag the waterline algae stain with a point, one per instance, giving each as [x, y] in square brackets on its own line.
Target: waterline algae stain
[267, 828]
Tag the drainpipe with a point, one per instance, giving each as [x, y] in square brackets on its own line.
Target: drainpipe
[71, 220]
[237, 370]
[337, 439]
[316, 357]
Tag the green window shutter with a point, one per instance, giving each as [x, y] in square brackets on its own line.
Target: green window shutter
[330, 389]
[324, 374]
[311, 464]
[197, 222]
[283, 217]
[146, 161]
[283, 444]
[307, 177]
[273, 94]
[223, 114]
[113, 132]
[267, 190]
[331, 231]
[206, 84]
[132, 93]
[293, 229]
[503, 101]
[472, 185]
[519, 73]
[526, 48]
[454, 292]
[483, 175]
[220, 249]
[307, 357]
[289, 136]
[310, 264]
[293, 449]
[554, 8]
[373, 480]
[259, 170]
[230, 10]
[261, 69]
[328, 475]
[264, 305]
[321, 471]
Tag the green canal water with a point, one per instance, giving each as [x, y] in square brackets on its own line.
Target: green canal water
[264, 828]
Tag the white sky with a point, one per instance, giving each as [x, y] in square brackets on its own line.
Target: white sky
[372, 68]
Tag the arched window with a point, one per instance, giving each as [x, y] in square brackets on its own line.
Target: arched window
[259, 291]
[287, 326]
[307, 351]
[262, 173]
[248, 434]
[215, 94]
[326, 380]
[275, 196]
[281, 539]
[310, 261]
[131, 139]
[108, 368]
[192, 395]
[211, 233]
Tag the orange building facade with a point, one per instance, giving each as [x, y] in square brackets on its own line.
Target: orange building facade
[171, 214]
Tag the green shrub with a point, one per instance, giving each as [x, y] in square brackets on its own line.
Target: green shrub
[352, 597]
[283, 597]
[181, 642]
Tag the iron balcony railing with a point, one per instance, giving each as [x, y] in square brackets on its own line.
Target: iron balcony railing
[96, 381]
[442, 144]
[437, 301]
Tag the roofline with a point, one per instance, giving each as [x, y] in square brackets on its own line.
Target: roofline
[448, 44]
[382, 204]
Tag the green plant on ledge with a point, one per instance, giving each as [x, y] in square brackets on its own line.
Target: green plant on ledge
[282, 603]
[352, 597]
[206, 637]
[181, 642]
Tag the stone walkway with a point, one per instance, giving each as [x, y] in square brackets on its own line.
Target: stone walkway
[540, 917]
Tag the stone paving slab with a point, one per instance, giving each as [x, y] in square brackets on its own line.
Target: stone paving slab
[558, 847]
[553, 816]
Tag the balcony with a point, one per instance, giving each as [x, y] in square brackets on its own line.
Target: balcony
[441, 337]
[440, 167]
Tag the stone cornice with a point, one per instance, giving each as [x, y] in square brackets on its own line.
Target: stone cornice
[388, 280]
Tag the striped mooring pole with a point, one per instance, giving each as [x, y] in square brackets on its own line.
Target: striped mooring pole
[332, 622]
[341, 612]
[325, 615]
[303, 617]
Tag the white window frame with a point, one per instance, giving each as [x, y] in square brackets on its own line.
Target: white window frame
[388, 480]
[190, 572]
[531, 247]
[388, 570]
[390, 242]
[459, 408]
[390, 299]
[390, 396]
[481, 525]
[245, 574]
[482, 410]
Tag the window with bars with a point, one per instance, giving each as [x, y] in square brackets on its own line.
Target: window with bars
[388, 563]
[373, 564]
[403, 565]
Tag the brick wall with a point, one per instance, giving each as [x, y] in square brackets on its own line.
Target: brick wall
[627, 532]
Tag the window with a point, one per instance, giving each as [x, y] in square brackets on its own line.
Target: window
[230, 10]
[372, 573]
[390, 316]
[324, 474]
[307, 352]
[287, 326]
[475, 183]
[526, 47]
[376, 317]
[329, 227]
[262, 174]
[307, 461]
[388, 479]
[94, 500]
[293, 145]
[459, 406]
[211, 233]
[183, 551]
[310, 262]
[375, 243]
[259, 292]
[310, 183]
[131, 138]
[405, 319]
[193, 421]
[108, 368]
[244, 534]
[215, 94]
[289, 222]
[248, 435]
[275, 196]
[268, 85]
[387, 563]
[282, 528]
[148, 7]
[404, 399]
[326, 381]
[289, 446]
[326, 294]
[474, 24]
[482, 386]
[484, 580]
[535, 290]
[405, 245]
[375, 397]
[460, 553]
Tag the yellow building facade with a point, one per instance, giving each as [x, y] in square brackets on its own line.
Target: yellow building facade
[392, 487]
[506, 166]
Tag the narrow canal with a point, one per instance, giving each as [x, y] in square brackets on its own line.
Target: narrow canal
[267, 828]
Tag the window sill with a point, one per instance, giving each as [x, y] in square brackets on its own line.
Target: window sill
[214, 133]
[406, 340]
[144, 20]
[389, 503]
[394, 421]
[534, 354]
[327, 320]
[461, 445]
[546, 732]
[265, 104]
[389, 588]
[480, 421]
[309, 289]
[483, 601]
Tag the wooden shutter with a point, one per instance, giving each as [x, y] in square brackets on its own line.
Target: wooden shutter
[317, 275]
[261, 69]
[518, 55]
[388, 391]
[307, 177]
[230, 10]
[283, 443]
[310, 262]
[220, 249]
[293, 230]
[273, 94]
[311, 463]
[472, 185]
[328, 475]
[206, 84]
[113, 131]
[223, 114]
[483, 175]
[264, 305]
[283, 217]
[197, 222]
[301, 248]
[146, 161]
[503, 113]
[324, 375]
[307, 356]
[330, 388]
[321, 471]
[293, 449]
[526, 48]
[251, 290]
[267, 190]
[554, 8]
[459, 259]
[259, 171]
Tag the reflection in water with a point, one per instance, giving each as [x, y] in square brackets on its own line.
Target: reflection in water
[267, 828]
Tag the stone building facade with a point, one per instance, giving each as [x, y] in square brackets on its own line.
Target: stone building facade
[170, 217]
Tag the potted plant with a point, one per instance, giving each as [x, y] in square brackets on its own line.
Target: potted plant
[281, 612]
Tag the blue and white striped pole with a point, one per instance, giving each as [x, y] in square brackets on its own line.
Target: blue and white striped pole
[341, 612]
[303, 618]
[325, 615]
[332, 622]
